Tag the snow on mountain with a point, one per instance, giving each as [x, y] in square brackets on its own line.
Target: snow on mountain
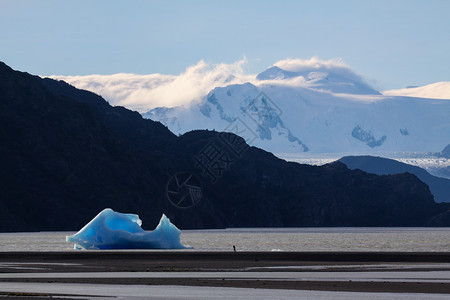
[295, 106]
[145, 92]
[321, 78]
[283, 117]
[438, 90]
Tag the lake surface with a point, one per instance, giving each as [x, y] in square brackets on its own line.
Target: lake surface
[269, 239]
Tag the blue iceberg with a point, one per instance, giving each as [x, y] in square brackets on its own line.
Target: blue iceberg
[114, 230]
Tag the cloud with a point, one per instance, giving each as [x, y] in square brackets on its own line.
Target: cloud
[314, 63]
[144, 92]
[335, 65]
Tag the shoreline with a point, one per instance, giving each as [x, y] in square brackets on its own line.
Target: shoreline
[171, 261]
[363, 256]
[257, 270]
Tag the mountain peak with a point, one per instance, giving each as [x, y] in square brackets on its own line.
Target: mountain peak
[276, 73]
[336, 80]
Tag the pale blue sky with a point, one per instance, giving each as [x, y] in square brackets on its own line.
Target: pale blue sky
[395, 43]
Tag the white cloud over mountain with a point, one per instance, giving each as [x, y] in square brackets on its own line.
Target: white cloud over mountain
[299, 65]
[336, 66]
[144, 92]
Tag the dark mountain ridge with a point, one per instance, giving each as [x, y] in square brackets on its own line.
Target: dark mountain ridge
[439, 187]
[66, 154]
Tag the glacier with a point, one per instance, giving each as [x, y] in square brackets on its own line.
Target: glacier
[114, 230]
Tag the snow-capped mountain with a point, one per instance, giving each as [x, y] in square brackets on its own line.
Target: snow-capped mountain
[295, 106]
[315, 111]
[438, 90]
[321, 78]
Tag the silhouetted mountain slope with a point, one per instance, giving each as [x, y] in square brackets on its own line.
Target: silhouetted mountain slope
[280, 193]
[63, 160]
[439, 187]
[66, 154]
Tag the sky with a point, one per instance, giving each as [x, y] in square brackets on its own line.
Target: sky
[392, 43]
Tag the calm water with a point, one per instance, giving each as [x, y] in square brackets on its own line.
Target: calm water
[272, 239]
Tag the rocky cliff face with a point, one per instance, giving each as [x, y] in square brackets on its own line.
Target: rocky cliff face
[66, 154]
